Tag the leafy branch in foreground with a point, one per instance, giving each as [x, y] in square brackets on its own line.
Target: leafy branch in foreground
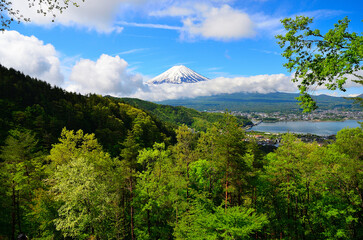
[8, 13]
[319, 59]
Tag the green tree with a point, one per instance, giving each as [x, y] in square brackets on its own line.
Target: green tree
[44, 210]
[346, 177]
[84, 197]
[129, 163]
[292, 172]
[22, 169]
[314, 192]
[225, 161]
[143, 133]
[72, 145]
[157, 196]
[208, 222]
[84, 185]
[184, 153]
[318, 58]
[230, 153]
[206, 175]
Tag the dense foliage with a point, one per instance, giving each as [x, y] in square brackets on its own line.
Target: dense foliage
[122, 177]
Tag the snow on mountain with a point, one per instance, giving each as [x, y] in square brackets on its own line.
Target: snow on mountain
[178, 75]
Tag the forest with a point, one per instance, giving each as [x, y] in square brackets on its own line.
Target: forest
[93, 167]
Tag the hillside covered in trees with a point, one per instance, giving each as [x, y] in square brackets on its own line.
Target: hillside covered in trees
[177, 115]
[91, 167]
[33, 104]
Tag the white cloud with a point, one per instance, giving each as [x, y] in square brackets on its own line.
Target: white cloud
[350, 83]
[209, 22]
[135, 50]
[322, 13]
[149, 25]
[108, 75]
[31, 56]
[173, 11]
[224, 23]
[259, 83]
[269, 25]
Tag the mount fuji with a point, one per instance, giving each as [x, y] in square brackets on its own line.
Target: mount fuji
[178, 75]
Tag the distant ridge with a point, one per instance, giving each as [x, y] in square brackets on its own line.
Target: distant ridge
[178, 75]
[259, 102]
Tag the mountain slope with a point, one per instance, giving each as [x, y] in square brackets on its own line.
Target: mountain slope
[178, 75]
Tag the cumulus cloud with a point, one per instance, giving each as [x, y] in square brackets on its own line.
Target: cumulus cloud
[107, 75]
[259, 83]
[204, 20]
[31, 56]
[224, 23]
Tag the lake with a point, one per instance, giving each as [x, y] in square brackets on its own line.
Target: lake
[317, 128]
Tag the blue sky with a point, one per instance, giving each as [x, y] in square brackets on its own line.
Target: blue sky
[114, 46]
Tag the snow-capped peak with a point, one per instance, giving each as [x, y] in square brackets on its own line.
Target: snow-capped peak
[178, 75]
